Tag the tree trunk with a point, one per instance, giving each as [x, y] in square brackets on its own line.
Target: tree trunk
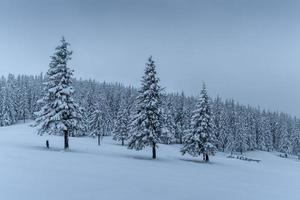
[99, 139]
[66, 138]
[205, 157]
[122, 142]
[153, 150]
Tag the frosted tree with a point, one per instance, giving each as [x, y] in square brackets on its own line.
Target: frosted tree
[266, 130]
[231, 125]
[252, 122]
[219, 124]
[99, 121]
[7, 116]
[59, 113]
[88, 96]
[199, 140]
[240, 140]
[180, 118]
[285, 145]
[122, 124]
[121, 130]
[295, 138]
[12, 96]
[146, 125]
[169, 125]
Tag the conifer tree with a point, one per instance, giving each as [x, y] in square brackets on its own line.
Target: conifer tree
[180, 119]
[121, 130]
[7, 116]
[99, 121]
[285, 145]
[122, 124]
[218, 123]
[169, 125]
[146, 126]
[231, 126]
[266, 130]
[59, 113]
[199, 140]
[240, 139]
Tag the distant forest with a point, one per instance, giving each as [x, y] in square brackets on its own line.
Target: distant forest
[236, 127]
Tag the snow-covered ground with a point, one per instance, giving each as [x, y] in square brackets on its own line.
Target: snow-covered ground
[29, 171]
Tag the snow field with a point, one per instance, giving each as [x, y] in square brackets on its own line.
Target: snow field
[111, 172]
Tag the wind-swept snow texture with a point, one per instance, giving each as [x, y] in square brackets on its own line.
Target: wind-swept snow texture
[29, 171]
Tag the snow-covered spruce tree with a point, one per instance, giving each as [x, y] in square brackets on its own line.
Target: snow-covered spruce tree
[59, 113]
[98, 120]
[231, 120]
[285, 145]
[7, 116]
[121, 130]
[23, 107]
[146, 125]
[295, 138]
[180, 118]
[242, 129]
[88, 98]
[199, 139]
[218, 122]
[122, 123]
[267, 134]
[169, 125]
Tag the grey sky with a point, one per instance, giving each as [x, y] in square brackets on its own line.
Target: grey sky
[243, 49]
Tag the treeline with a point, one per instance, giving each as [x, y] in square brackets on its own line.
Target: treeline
[237, 127]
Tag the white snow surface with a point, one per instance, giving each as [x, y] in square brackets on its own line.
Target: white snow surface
[111, 172]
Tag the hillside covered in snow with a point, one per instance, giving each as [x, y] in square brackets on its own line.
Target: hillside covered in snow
[30, 171]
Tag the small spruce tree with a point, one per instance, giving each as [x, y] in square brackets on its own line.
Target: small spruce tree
[169, 124]
[199, 140]
[122, 125]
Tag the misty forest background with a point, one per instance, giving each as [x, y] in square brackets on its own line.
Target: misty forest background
[236, 127]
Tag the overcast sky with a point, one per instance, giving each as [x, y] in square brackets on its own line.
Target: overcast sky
[248, 50]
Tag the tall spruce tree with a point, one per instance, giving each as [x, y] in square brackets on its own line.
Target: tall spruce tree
[199, 140]
[146, 125]
[59, 113]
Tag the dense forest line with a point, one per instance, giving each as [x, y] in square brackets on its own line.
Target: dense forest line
[237, 128]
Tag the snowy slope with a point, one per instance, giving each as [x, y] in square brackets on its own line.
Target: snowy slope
[88, 172]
